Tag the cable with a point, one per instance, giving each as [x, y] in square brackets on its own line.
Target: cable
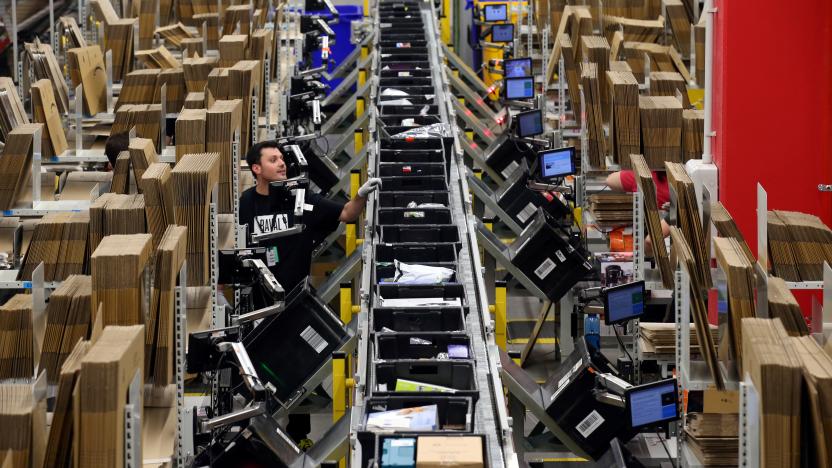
[669, 456]
[621, 343]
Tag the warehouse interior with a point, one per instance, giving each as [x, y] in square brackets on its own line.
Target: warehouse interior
[415, 233]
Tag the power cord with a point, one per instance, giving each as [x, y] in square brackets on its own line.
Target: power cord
[669, 456]
[621, 343]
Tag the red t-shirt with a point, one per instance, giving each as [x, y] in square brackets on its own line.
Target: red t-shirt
[628, 182]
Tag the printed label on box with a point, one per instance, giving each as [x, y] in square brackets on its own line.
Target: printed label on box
[560, 256]
[589, 424]
[510, 169]
[526, 213]
[545, 268]
[316, 341]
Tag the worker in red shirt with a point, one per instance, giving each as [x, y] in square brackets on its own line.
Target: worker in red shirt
[625, 181]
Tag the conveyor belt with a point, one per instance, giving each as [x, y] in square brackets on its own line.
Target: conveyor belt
[431, 170]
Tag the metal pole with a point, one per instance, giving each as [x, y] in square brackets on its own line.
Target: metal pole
[710, 10]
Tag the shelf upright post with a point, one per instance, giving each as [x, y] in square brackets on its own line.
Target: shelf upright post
[638, 236]
[133, 423]
[184, 438]
[749, 447]
[36, 160]
[79, 115]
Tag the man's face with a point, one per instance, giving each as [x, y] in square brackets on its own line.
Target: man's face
[272, 168]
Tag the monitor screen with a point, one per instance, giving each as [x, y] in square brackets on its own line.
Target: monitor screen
[519, 88]
[496, 12]
[624, 302]
[502, 33]
[529, 123]
[517, 68]
[652, 404]
[556, 163]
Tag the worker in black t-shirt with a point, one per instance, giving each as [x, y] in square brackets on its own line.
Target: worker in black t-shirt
[289, 258]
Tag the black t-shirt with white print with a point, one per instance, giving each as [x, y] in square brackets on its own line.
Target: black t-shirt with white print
[289, 258]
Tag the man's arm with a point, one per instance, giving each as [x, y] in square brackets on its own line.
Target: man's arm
[353, 208]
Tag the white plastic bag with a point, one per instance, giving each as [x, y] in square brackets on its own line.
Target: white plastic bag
[421, 274]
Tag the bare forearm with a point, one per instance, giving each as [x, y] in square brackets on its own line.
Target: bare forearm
[352, 209]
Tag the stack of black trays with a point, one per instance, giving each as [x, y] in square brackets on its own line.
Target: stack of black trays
[409, 341]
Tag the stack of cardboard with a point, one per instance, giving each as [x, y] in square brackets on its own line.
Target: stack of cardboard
[726, 227]
[192, 47]
[661, 129]
[211, 21]
[118, 36]
[159, 57]
[118, 268]
[175, 34]
[147, 118]
[139, 87]
[799, 244]
[158, 193]
[159, 336]
[680, 25]
[106, 373]
[116, 214]
[698, 308]
[142, 155]
[699, 39]
[783, 305]
[817, 377]
[12, 113]
[16, 163]
[46, 113]
[195, 101]
[651, 211]
[596, 49]
[611, 209]
[86, 68]
[17, 339]
[669, 84]
[67, 321]
[59, 445]
[244, 78]
[174, 79]
[23, 432]
[234, 16]
[147, 23]
[741, 282]
[594, 116]
[636, 30]
[194, 179]
[196, 73]
[570, 68]
[59, 241]
[625, 130]
[770, 358]
[41, 59]
[662, 58]
[660, 338]
[580, 25]
[121, 174]
[232, 49]
[73, 34]
[690, 220]
[223, 120]
[218, 84]
[693, 134]
[190, 132]
[713, 437]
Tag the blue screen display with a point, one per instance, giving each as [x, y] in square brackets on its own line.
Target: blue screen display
[556, 163]
[529, 124]
[502, 33]
[497, 12]
[517, 68]
[625, 303]
[653, 404]
[520, 88]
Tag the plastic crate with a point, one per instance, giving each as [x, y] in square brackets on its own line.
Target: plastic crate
[402, 199]
[386, 271]
[455, 414]
[457, 375]
[420, 234]
[413, 183]
[414, 319]
[411, 156]
[433, 253]
[409, 110]
[418, 216]
[420, 345]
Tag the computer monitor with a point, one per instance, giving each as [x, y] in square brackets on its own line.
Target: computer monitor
[529, 123]
[556, 163]
[623, 302]
[519, 88]
[502, 33]
[495, 12]
[652, 404]
[517, 68]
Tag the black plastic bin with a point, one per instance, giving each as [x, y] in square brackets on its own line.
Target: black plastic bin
[411, 169]
[454, 413]
[420, 234]
[411, 156]
[433, 253]
[456, 375]
[392, 82]
[420, 345]
[521, 202]
[380, 438]
[412, 72]
[402, 199]
[507, 155]
[415, 216]
[415, 319]
[412, 111]
[440, 292]
[413, 183]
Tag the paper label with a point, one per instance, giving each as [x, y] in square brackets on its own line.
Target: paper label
[271, 256]
[404, 74]
[316, 341]
[510, 169]
[560, 256]
[545, 268]
[526, 213]
[589, 424]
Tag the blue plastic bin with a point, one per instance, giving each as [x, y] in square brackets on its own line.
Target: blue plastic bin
[343, 47]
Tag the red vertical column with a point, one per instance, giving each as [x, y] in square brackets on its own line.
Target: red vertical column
[772, 101]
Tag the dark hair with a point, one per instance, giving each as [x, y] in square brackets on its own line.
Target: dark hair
[116, 143]
[254, 153]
